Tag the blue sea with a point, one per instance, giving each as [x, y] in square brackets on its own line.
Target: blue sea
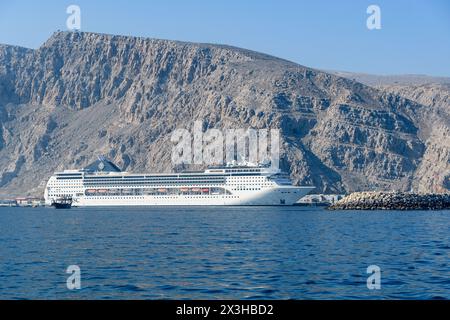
[223, 253]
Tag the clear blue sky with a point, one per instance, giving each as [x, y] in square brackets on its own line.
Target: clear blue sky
[415, 34]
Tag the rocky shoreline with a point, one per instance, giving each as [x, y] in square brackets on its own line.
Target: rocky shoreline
[392, 201]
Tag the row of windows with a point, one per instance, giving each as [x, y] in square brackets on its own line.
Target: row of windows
[168, 177]
[117, 185]
[165, 197]
[246, 189]
[156, 191]
[154, 181]
[243, 170]
[68, 177]
[140, 178]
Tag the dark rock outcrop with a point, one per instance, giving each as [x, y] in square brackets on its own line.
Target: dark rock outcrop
[392, 201]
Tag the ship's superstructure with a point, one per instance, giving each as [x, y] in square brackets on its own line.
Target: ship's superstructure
[103, 184]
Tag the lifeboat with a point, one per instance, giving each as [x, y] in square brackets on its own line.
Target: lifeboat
[162, 190]
[196, 189]
[205, 190]
[102, 191]
[91, 191]
[184, 189]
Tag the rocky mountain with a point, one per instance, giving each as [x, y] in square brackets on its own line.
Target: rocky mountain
[83, 94]
[433, 92]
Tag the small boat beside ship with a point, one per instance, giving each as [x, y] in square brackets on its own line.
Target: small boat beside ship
[62, 203]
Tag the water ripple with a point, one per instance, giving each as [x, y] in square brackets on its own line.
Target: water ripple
[223, 253]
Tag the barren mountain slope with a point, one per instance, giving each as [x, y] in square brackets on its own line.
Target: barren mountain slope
[83, 94]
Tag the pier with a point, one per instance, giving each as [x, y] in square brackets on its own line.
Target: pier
[22, 202]
[319, 200]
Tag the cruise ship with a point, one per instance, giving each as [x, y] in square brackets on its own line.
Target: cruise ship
[102, 183]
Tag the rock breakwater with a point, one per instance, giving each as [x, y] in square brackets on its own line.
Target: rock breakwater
[392, 201]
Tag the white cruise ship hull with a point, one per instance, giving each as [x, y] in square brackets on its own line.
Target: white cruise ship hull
[282, 196]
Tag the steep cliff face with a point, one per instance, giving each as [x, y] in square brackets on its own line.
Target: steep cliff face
[433, 93]
[85, 94]
[433, 172]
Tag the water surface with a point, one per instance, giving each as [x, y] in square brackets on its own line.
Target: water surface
[223, 253]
